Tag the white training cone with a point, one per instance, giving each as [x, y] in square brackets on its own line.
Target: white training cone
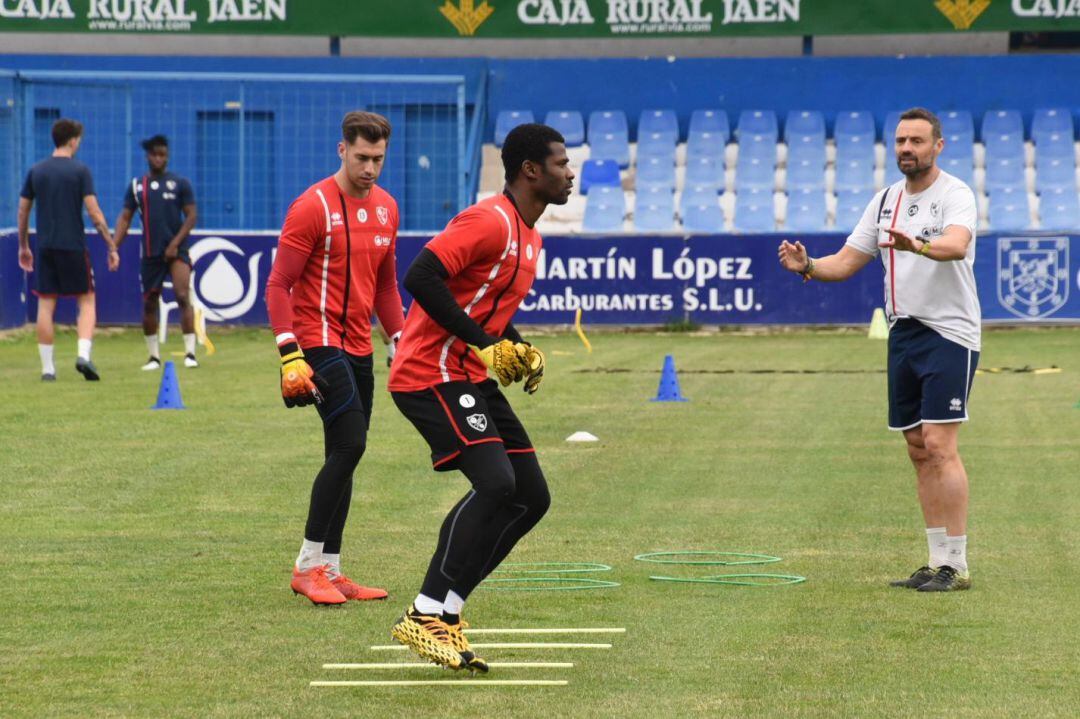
[582, 437]
[879, 327]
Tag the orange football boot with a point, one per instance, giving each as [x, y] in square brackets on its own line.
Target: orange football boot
[351, 590]
[316, 586]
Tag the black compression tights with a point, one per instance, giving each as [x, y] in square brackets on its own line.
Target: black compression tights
[331, 494]
[508, 498]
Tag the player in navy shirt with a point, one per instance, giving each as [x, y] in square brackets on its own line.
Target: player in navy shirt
[166, 204]
[62, 185]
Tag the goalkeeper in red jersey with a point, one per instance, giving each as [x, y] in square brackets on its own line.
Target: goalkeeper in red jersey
[335, 267]
[466, 284]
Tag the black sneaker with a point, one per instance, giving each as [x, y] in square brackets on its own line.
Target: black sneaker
[919, 577]
[48, 377]
[947, 579]
[87, 369]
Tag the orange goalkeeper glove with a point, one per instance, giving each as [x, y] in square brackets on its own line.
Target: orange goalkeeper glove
[299, 383]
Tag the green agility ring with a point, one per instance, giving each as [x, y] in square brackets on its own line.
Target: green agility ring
[551, 568]
[737, 579]
[663, 558]
[576, 584]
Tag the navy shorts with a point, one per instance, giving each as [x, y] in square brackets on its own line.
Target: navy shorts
[454, 416]
[62, 272]
[929, 376]
[153, 271]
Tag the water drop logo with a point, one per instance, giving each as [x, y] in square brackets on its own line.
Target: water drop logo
[219, 286]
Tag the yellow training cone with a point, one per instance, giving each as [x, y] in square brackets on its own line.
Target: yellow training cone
[879, 327]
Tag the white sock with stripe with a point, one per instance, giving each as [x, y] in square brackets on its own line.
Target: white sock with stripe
[152, 345]
[426, 605]
[310, 555]
[45, 352]
[939, 548]
[957, 558]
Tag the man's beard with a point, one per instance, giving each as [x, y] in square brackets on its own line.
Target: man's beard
[914, 171]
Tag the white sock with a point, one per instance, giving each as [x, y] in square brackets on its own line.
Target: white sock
[957, 553]
[334, 561]
[189, 344]
[46, 354]
[310, 555]
[84, 349]
[453, 603]
[427, 605]
[152, 345]
[939, 549]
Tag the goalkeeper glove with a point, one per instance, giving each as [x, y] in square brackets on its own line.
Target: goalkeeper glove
[535, 361]
[299, 383]
[503, 359]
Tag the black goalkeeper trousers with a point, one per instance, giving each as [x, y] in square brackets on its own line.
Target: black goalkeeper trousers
[346, 415]
[509, 496]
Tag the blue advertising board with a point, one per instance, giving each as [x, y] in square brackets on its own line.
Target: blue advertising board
[616, 279]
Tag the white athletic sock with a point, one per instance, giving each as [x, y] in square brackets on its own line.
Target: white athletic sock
[152, 345]
[189, 344]
[957, 553]
[310, 555]
[84, 349]
[334, 561]
[453, 603]
[939, 549]
[46, 354]
[427, 605]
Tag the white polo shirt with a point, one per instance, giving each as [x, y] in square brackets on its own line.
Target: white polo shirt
[941, 295]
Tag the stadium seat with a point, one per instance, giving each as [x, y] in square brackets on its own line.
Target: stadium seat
[599, 172]
[854, 126]
[603, 122]
[656, 144]
[507, 120]
[754, 212]
[958, 146]
[604, 210]
[1004, 174]
[662, 122]
[892, 170]
[1051, 121]
[855, 168]
[757, 122]
[888, 131]
[1004, 145]
[1002, 122]
[1055, 173]
[805, 173]
[960, 168]
[654, 210]
[1009, 210]
[850, 206]
[701, 212]
[1060, 210]
[760, 146]
[957, 123]
[706, 144]
[655, 172]
[610, 146]
[801, 124]
[754, 173]
[569, 123]
[805, 211]
[714, 122]
[703, 170]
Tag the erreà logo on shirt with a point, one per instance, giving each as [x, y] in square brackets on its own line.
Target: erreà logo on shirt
[335, 219]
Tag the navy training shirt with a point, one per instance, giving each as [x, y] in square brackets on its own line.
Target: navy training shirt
[160, 202]
[58, 186]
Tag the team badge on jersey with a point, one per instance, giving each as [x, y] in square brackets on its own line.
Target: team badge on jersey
[382, 214]
[361, 215]
[1033, 275]
[171, 184]
[477, 422]
[154, 185]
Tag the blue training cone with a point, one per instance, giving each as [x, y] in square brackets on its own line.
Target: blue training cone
[168, 396]
[669, 384]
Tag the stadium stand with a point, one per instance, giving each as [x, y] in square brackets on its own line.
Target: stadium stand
[599, 172]
[570, 124]
[507, 120]
[605, 209]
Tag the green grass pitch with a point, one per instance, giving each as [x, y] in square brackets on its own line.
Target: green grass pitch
[146, 554]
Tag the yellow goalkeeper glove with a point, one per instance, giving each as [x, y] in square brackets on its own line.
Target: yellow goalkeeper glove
[502, 358]
[534, 359]
[298, 381]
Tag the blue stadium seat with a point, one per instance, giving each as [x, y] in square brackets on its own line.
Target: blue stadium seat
[610, 146]
[957, 123]
[757, 122]
[1009, 210]
[888, 131]
[654, 210]
[753, 173]
[1055, 173]
[661, 122]
[754, 212]
[656, 144]
[569, 123]
[1059, 210]
[604, 122]
[852, 124]
[805, 174]
[703, 170]
[701, 212]
[1002, 122]
[1004, 145]
[507, 120]
[604, 210]
[958, 146]
[850, 206]
[759, 146]
[805, 211]
[1004, 174]
[1051, 121]
[801, 124]
[962, 169]
[892, 171]
[714, 122]
[597, 173]
[706, 144]
[855, 163]
[655, 171]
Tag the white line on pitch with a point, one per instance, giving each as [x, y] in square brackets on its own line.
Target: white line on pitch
[565, 630]
[417, 665]
[448, 683]
[504, 645]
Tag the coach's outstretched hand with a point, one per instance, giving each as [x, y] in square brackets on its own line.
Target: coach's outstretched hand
[502, 358]
[534, 359]
[299, 383]
[793, 257]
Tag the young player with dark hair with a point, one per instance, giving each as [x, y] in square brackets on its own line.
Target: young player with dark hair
[467, 284]
[166, 204]
[334, 267]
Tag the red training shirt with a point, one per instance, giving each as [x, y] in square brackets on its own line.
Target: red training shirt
[490, 255]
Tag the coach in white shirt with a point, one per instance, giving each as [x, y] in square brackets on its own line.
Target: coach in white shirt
[923, 229]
